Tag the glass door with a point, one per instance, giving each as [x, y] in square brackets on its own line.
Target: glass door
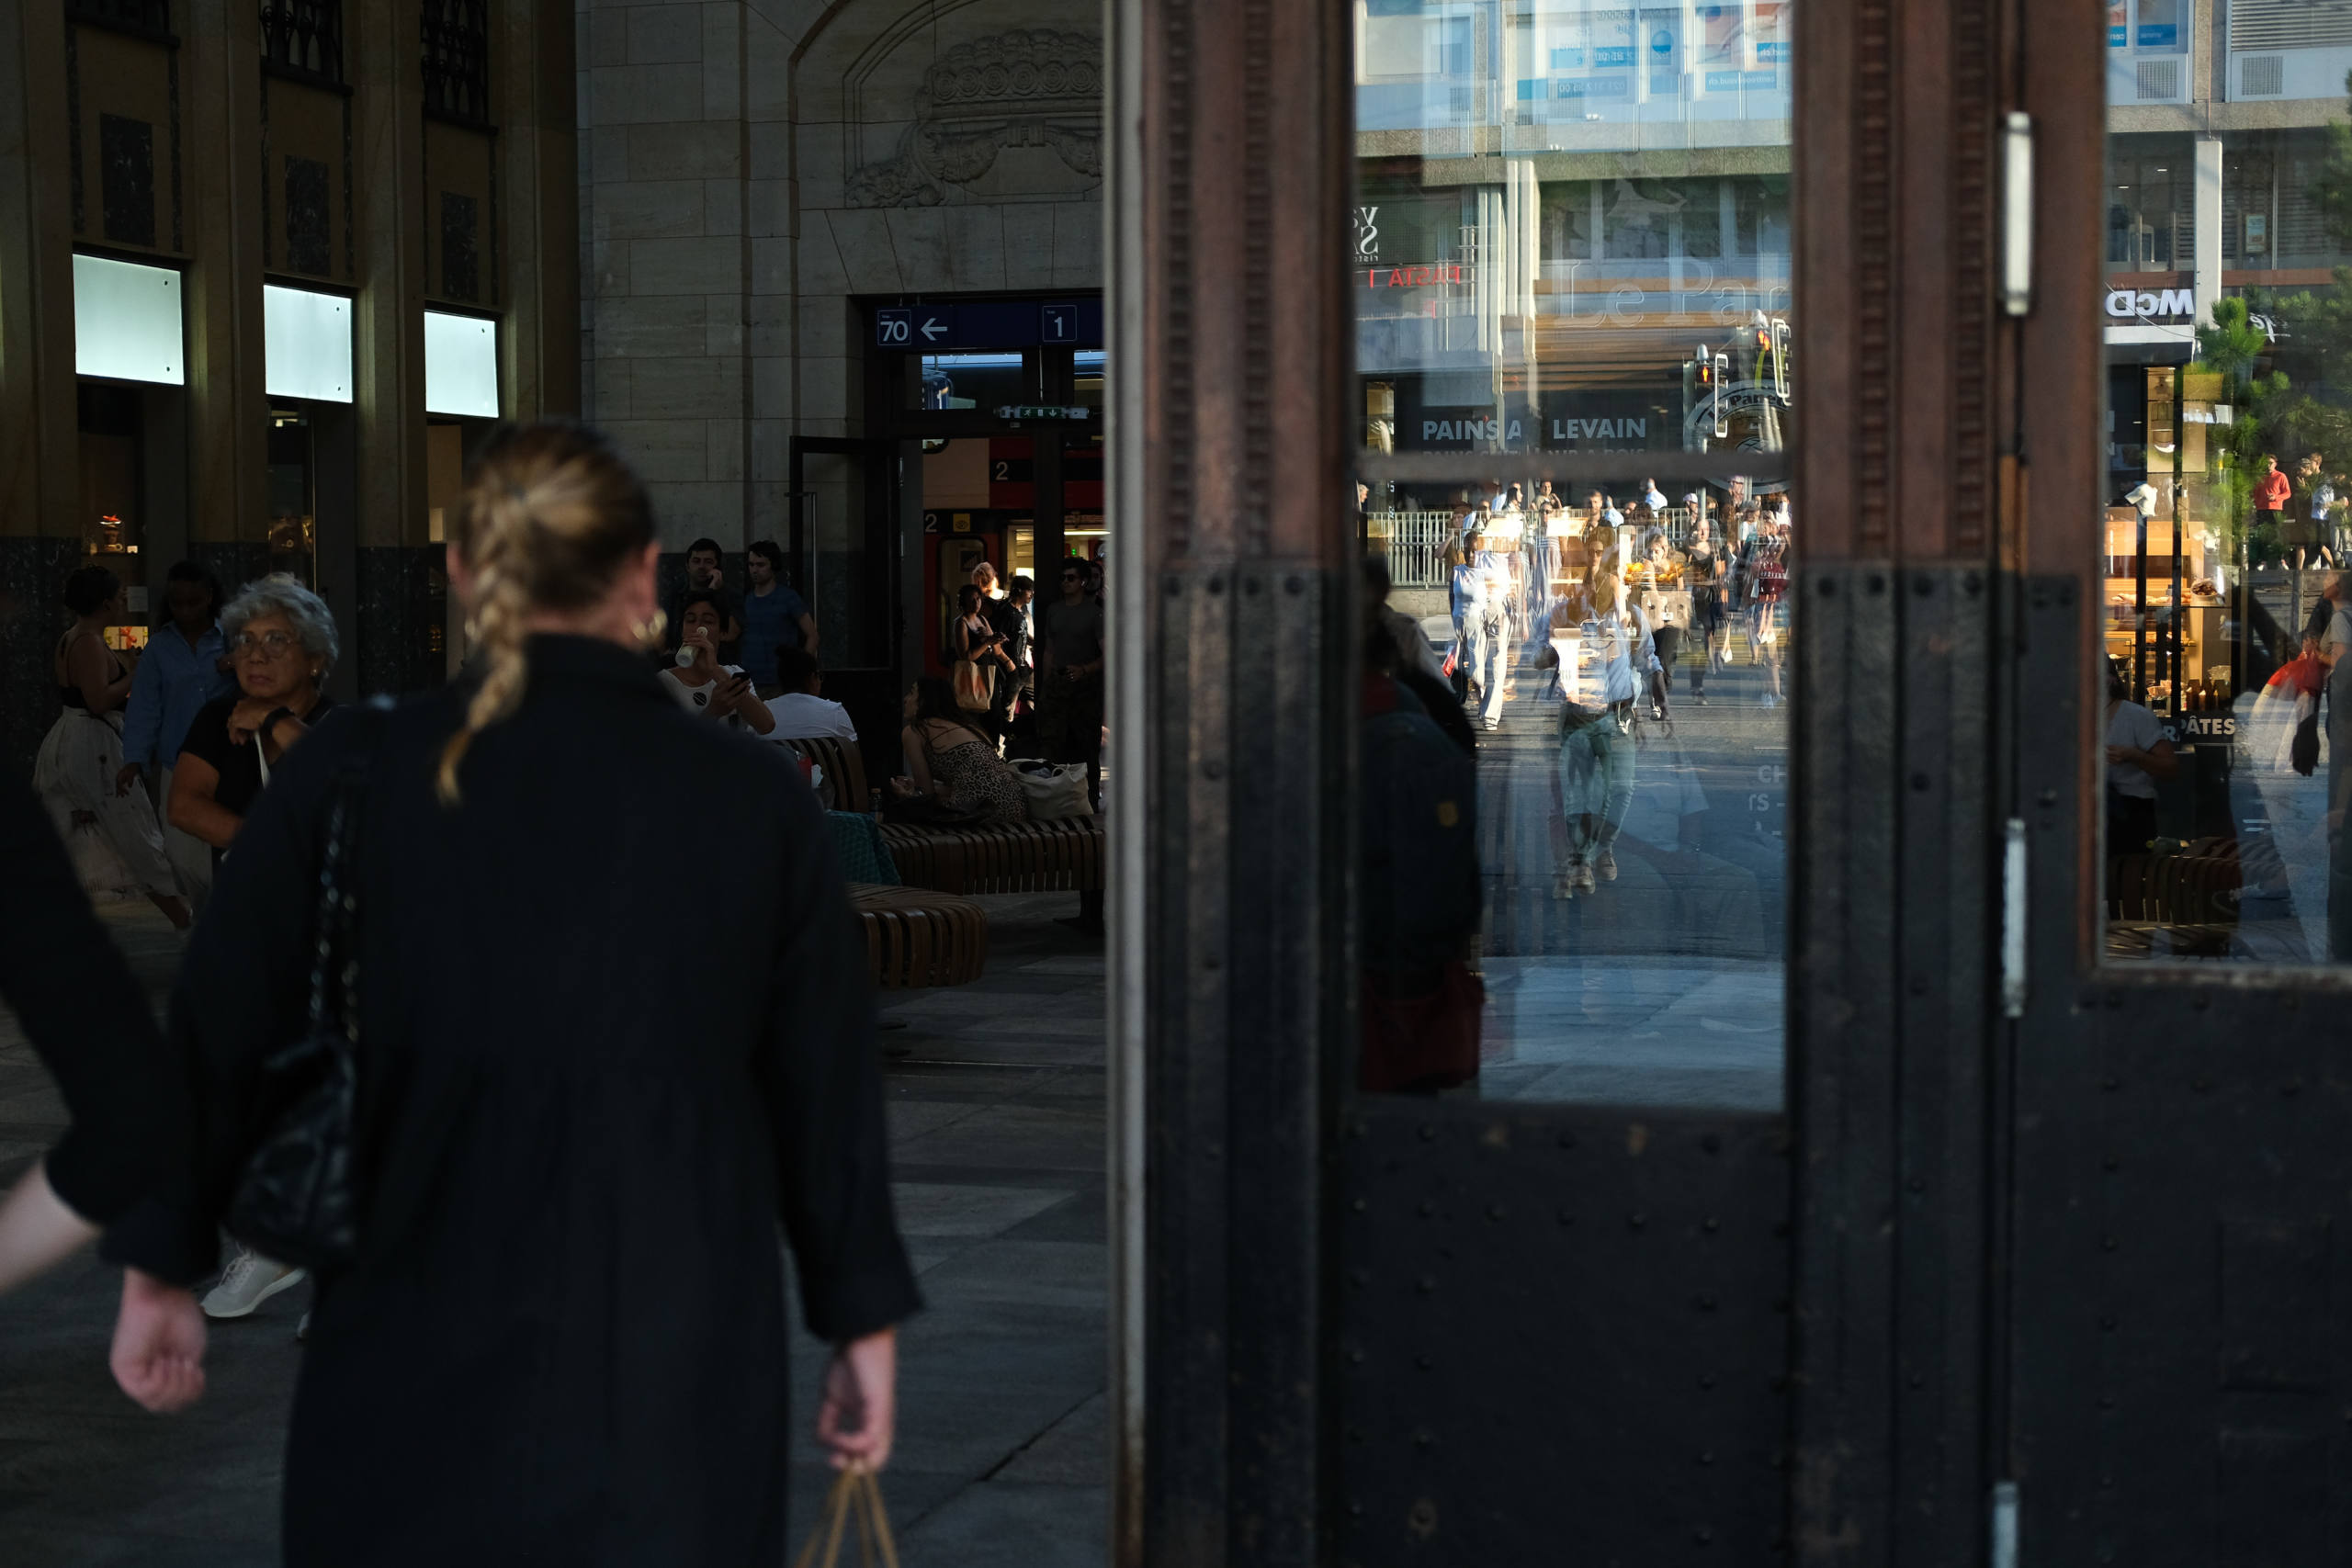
[2181, 1216]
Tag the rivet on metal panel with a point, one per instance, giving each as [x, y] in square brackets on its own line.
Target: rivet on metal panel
[1357, 1205]
[1877, 584]
[1216, 586]
[1567, 1140]
[1702, 1535]
[2107, 1401]
[1706, 1379]
[1712, 1143]
[1711, 1225]
[1705, 1301]
[1293, 585]
[2201, 1085]
[1426, 1284]
[1828, 588]
[1568, 1216]
[1781, 1305]
[1637, 1219]
[1356, 1358]
[1355, 1434]
[1428, 1132]
[2107, 1322]
[2291, 1088]
[1359, 1130]
[1918, 1381]
[1921, 782]
[1918, 985]
[1173, 588]
[1707, 1456]
[2111, 1162]
[1251, 586]
[1425, 1208]
[2111, 1083]
[1923, 585]
[2108, 1244]
[1971, 585]
[2048, 797]
[1355, 1510]
[1213, 769]
[2065, 594]
[1423, 1362]
[1781, 1229]
[2200, 1001]
[2115, 999]
[1359, 1277]
[1422, 1520]
[2288, 1001]
[1423, 1436]
[1494, 1211]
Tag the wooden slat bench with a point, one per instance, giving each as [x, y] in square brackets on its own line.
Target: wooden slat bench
[919, 936]
[1032, 857]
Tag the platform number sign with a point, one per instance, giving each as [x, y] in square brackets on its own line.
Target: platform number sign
[893, 329]
[1057, 323]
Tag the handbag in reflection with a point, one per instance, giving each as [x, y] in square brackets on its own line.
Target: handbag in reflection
[1055, 790]
[296, 1201]
[855, 1501]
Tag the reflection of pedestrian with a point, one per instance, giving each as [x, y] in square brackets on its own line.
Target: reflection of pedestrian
[2137, 756]
[1596, 762]
[1069, 684]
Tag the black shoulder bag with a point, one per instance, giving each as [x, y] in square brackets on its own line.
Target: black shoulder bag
[296, 1201]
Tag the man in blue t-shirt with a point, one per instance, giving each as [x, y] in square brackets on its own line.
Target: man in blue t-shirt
[775, 617]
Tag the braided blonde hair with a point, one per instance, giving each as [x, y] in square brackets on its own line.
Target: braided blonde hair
[548, 516]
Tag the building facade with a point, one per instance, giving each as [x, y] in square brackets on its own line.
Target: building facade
[769, 197]
[263, 272]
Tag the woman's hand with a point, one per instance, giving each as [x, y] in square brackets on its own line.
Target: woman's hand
[859, 1413]
[247, 715]
[158, 1356]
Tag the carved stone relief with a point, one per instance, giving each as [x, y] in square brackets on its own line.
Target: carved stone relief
[1016, 114]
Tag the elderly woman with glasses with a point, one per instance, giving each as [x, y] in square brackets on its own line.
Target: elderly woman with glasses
[281, 642]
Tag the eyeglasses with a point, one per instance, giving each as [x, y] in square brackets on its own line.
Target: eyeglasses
[275, 644]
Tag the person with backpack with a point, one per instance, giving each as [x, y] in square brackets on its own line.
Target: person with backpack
[1420, 874]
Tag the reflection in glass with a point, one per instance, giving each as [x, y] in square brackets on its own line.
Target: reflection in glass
[2227, 741]
[1571, 243]
[1568, 216]
[1575, 794]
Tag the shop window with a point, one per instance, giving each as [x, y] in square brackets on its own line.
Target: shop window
[306, 342]
[127, 321]
[303, 38]
[111, 522]
[1576, 401]
[291, 480]
[2223, 759]
[460, 366]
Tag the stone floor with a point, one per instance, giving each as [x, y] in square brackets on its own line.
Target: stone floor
[997, 1120]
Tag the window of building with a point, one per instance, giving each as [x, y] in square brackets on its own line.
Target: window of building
[303, 38]
[456, 60]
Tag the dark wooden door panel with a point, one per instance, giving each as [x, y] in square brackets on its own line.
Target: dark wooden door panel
[1563, 1336]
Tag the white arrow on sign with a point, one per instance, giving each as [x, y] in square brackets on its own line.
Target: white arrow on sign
[932, 328]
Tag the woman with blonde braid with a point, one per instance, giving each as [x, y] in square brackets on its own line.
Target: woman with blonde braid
[562, 1338]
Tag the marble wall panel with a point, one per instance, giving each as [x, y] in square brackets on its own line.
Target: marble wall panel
[723, 332]
[645, 94]
[868, 253]
[692, 151]
[665, 35]
[1028, 244]
[821, 264]
[918, 236]
[663, 449]
[704, 387]
[726, 448]
[974, 240]
[706, 265]
[637, 210]
[634, 327]
[685, 511]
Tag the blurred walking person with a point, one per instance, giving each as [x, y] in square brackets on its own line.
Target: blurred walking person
[562, 1337]
[185, 665]
[79, 769]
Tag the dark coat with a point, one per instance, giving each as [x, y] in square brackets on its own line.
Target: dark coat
[564, 1341]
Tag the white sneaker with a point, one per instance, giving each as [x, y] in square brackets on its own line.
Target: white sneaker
[250, 1279]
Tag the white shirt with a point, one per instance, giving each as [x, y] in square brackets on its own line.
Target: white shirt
[2132, 724]
[1613, 517]
[801, 716]
[2322, 497]
[2143, 496]
[1656, 499]
[694, 699]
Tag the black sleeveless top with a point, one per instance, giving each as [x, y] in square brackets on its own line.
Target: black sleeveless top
[70, 694]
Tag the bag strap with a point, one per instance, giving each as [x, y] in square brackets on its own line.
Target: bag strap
[334, 963]
[854, 1494]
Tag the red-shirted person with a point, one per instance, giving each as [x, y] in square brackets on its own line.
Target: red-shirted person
[2272, 491]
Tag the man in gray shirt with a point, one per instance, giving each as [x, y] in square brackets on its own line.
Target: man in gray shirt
[1070, 675]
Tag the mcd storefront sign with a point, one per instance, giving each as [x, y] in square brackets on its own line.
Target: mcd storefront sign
[2154, 306]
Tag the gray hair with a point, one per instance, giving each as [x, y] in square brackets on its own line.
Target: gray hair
[280, 594]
